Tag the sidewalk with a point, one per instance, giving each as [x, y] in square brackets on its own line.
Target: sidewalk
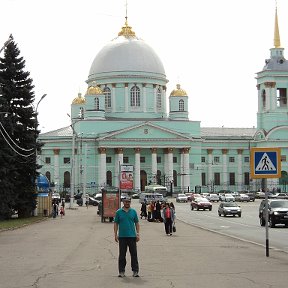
[80, 251]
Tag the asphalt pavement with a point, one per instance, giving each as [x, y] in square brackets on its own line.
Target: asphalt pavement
[79, 251]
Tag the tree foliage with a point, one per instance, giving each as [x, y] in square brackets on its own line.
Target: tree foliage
[18, 134]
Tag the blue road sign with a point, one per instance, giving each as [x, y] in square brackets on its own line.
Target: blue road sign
[265, 163]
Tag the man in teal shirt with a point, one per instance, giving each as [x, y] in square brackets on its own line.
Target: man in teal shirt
[126, 231]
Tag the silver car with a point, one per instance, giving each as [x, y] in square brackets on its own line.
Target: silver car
[229, 208]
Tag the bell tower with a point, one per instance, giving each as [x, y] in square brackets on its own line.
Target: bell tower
[272, 85]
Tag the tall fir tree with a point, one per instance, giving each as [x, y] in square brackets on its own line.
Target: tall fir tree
[18, 135]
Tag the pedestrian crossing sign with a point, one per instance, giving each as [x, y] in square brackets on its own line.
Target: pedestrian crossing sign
[265, 163]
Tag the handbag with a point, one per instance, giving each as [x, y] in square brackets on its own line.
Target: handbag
[174, 228]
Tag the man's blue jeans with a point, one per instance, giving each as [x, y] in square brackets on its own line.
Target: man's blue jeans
[125, 242]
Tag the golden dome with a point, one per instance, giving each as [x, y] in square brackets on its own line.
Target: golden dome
[94, 89]
[178, 91]
[79, 99]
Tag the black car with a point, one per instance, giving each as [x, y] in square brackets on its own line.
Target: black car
[277, 210]
[92, 201]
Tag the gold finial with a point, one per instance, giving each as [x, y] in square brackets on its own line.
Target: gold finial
[126, 30]
[277, 43]
[94, 89]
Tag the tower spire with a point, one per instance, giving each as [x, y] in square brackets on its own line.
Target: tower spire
[277, 42]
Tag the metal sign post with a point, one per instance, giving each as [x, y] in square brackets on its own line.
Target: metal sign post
[265, 163]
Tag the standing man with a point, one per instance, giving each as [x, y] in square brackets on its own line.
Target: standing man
[126, 220]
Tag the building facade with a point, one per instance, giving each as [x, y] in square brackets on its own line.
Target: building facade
[124, 119]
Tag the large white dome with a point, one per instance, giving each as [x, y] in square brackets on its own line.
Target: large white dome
[126, 55]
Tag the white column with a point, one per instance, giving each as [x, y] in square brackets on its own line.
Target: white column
[113, 100]
[85, 170]
[137, 184]
[118, 162]
[126, 100]
[144, 98]
[170, 163]
[225, 170]
[240, 177]
[102, 167]
[210, 160]
[186, 178]
[154, 164]
[155, 97]
[56, 169]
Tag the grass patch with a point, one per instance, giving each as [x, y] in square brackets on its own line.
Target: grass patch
[17, 223]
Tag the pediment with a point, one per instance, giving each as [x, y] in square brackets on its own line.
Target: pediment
[144, 131]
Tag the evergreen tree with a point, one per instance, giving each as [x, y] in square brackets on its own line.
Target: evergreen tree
[18, 134]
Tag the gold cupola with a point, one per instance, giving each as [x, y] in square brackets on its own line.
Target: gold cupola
[178, 92]
[94, 89]
[79, 99]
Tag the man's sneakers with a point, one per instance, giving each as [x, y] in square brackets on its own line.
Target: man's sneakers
[122, 274]
[135, 274]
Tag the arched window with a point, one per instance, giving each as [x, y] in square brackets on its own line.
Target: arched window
[107, 93]
[135, 96]
[181, 105]
[263, 96]
[109, 178]
[48, 175]
[159, 99]
[66, 179]
[97, 105]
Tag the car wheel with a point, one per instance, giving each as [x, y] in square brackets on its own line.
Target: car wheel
[219, 214]
[210, 208]
[192, 208]
[239, 214]
[224, 214]
[262, 221]
[271, 222]
[197, 208]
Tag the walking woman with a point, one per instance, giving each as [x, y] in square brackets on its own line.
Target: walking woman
[168, 218]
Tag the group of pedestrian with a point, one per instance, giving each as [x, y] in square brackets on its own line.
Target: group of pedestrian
[56, 210]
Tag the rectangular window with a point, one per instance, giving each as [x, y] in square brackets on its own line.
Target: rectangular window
[216, 159]
[174, 159]
[203, 176]
[217, 178]
[203, 160]
[231, 159]
[47, 160]
[66, 160]
[246, 159]
[142, 159]
[282, 97]
[125, 159]
[232, 178]
[158, 159]
[283, 158]
[108, 160]
[246, 178]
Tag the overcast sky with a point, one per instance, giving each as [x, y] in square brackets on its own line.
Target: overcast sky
[212, 48]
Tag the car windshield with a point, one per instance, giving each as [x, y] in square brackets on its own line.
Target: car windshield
[202, 200]
[280, 204]
[230, 204]
[181, 195]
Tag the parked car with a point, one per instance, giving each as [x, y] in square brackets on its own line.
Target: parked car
[213, 197]
[92, 201]
[242, 198]
[282, 196]
[260, 195]
[252, 195]
[227, 198]
[229, 208]
[194, 196]
[189, 195]
[277, 212]
[181, 198]
[56, 196]
[201, 203]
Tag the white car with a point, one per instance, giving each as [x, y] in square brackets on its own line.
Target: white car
[244, 198]
[182, 198]
[227, 198]
[213, 197]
